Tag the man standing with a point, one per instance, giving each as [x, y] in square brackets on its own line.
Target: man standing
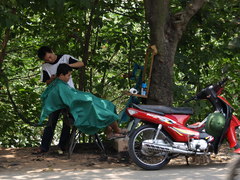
[49, 69]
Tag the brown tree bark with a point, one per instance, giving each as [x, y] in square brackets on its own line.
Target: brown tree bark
[4, 47]
[165, 32]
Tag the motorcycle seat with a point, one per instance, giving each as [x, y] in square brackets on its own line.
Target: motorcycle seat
[164, 109]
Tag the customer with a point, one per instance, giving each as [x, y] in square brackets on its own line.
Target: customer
[90, 112]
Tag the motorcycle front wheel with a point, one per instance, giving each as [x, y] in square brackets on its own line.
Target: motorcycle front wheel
[148, 158]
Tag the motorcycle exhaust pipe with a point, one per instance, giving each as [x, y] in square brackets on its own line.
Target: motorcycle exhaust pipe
[180, 151]
[169, 149]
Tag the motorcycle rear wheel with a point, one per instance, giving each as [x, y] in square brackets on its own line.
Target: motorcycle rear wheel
[149, 160]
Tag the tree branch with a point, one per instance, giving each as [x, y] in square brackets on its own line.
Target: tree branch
[123, 14]
[181, 19]
[129, 8]
[24, 77]
[16, 110]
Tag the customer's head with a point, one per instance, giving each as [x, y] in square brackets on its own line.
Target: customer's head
[46, 53]
[64, 72]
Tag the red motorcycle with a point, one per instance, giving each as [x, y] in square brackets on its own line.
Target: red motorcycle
[164, 134]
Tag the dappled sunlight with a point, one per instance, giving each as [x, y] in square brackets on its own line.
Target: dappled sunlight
[20, 164]
[67, 174]
[23, 161]
[8, 156]
[8, 152]
[126, 173]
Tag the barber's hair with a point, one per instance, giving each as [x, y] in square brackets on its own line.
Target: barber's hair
[63, 69]
[43, 50]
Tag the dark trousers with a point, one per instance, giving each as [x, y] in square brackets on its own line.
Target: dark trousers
[49, 132]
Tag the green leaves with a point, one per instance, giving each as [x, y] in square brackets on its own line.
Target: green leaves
[208, 47]
[119, 37]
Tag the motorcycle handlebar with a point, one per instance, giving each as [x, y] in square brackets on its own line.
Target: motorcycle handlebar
[216, 87]
[220, 84]
[190, 99]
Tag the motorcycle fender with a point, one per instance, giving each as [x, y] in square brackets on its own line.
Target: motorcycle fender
[231, 134]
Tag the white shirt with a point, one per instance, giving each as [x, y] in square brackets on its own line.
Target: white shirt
[49, 69]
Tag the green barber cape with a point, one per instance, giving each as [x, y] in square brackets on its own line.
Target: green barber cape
[90, 112]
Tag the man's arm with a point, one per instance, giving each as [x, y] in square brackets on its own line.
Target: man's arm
[77, 64]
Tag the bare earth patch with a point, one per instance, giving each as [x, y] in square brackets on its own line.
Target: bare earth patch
[85, 156]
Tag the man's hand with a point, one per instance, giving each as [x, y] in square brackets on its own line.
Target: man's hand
[51, 79]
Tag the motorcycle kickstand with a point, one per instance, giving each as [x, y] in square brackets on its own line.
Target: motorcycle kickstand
[186, 157]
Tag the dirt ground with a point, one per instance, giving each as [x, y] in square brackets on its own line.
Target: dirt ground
[85, 156]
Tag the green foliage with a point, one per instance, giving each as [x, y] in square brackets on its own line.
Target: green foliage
[118, 39]
[204, 55]
[62, 25]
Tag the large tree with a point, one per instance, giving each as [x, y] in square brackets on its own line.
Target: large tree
[166, 29]
[111, 36]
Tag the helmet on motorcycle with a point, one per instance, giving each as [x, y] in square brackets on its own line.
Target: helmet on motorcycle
[215, 124]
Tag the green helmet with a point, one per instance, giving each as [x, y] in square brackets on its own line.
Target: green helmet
[215, 124]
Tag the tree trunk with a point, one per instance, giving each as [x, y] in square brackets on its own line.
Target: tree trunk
[165, 32]
[4, 47]
[82, 81]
